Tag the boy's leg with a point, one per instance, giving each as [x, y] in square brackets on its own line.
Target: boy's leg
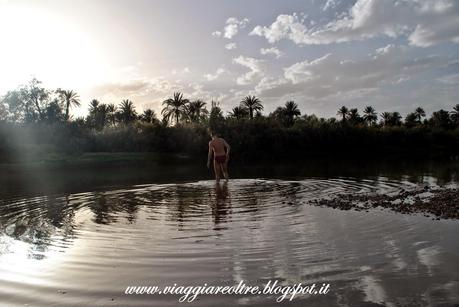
[225, 170]
[217, 170]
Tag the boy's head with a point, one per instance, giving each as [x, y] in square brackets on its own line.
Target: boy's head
[213, 133]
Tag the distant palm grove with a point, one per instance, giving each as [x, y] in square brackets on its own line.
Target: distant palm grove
[34, 119]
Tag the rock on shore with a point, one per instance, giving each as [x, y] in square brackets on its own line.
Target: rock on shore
[439, 203]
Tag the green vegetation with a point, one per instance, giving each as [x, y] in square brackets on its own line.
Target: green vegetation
[36, 125]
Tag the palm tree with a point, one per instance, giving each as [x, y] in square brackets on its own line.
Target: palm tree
[111, 114]
[411, 120]
[175, 108]
[369, 115]
[391, 118]
[396, 119]
[97, 114]
[253, 104]
[216, 118]
[455, 114]
[386, 118]
[148, 116]
[127, 111]
[69, 98]
[239, 112]
[101, 116]
[354, 116]
[196, 110]
[343, 111]
[291, 111]
[52, 112]
[93, 105]
[441, 119]
[419, 113]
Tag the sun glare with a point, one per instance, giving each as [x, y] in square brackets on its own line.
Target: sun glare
[38, 43]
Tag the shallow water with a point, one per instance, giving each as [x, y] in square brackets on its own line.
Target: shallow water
[86, 248]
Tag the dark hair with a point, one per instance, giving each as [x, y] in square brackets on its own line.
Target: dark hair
[213, 132]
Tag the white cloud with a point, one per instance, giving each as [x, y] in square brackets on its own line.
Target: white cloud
[274, 51]
[185, 70]
[255, 67]
[450, 79]
[330, 4]
[384, 50]
[285, 26]
[217, 33]
[218, 73]
[152, 92]
[231, 46]
[330, 76]
[423, 22]
[303, 71]
[232, 27]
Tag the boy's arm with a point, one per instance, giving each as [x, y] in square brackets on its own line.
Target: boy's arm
[209, 156]
[228, 148]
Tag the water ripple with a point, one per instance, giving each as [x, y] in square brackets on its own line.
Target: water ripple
[78, 247]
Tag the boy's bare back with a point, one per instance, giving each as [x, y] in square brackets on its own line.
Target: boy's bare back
[220, 149]
[218, 145]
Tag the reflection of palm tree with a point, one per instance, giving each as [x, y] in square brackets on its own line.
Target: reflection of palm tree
[343, 111]
[69, 98]
[47, 223]
[175, 108]
[102, 210]
[253, 104]
[107, 210]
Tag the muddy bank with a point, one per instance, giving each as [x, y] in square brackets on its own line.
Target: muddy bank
[438, 203]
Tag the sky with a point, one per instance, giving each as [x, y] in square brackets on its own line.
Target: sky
[394, 55]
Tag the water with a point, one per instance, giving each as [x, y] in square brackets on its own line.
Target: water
[85, 247]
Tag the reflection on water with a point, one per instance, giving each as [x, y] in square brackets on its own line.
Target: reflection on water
[39, 180]
[85, 248]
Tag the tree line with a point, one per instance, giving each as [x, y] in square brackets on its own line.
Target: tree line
[43, 117]
[33, 103]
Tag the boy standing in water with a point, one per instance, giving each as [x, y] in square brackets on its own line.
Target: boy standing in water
[220, 149]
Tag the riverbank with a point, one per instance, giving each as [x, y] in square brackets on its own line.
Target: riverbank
[89, 159]
[437, 203]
